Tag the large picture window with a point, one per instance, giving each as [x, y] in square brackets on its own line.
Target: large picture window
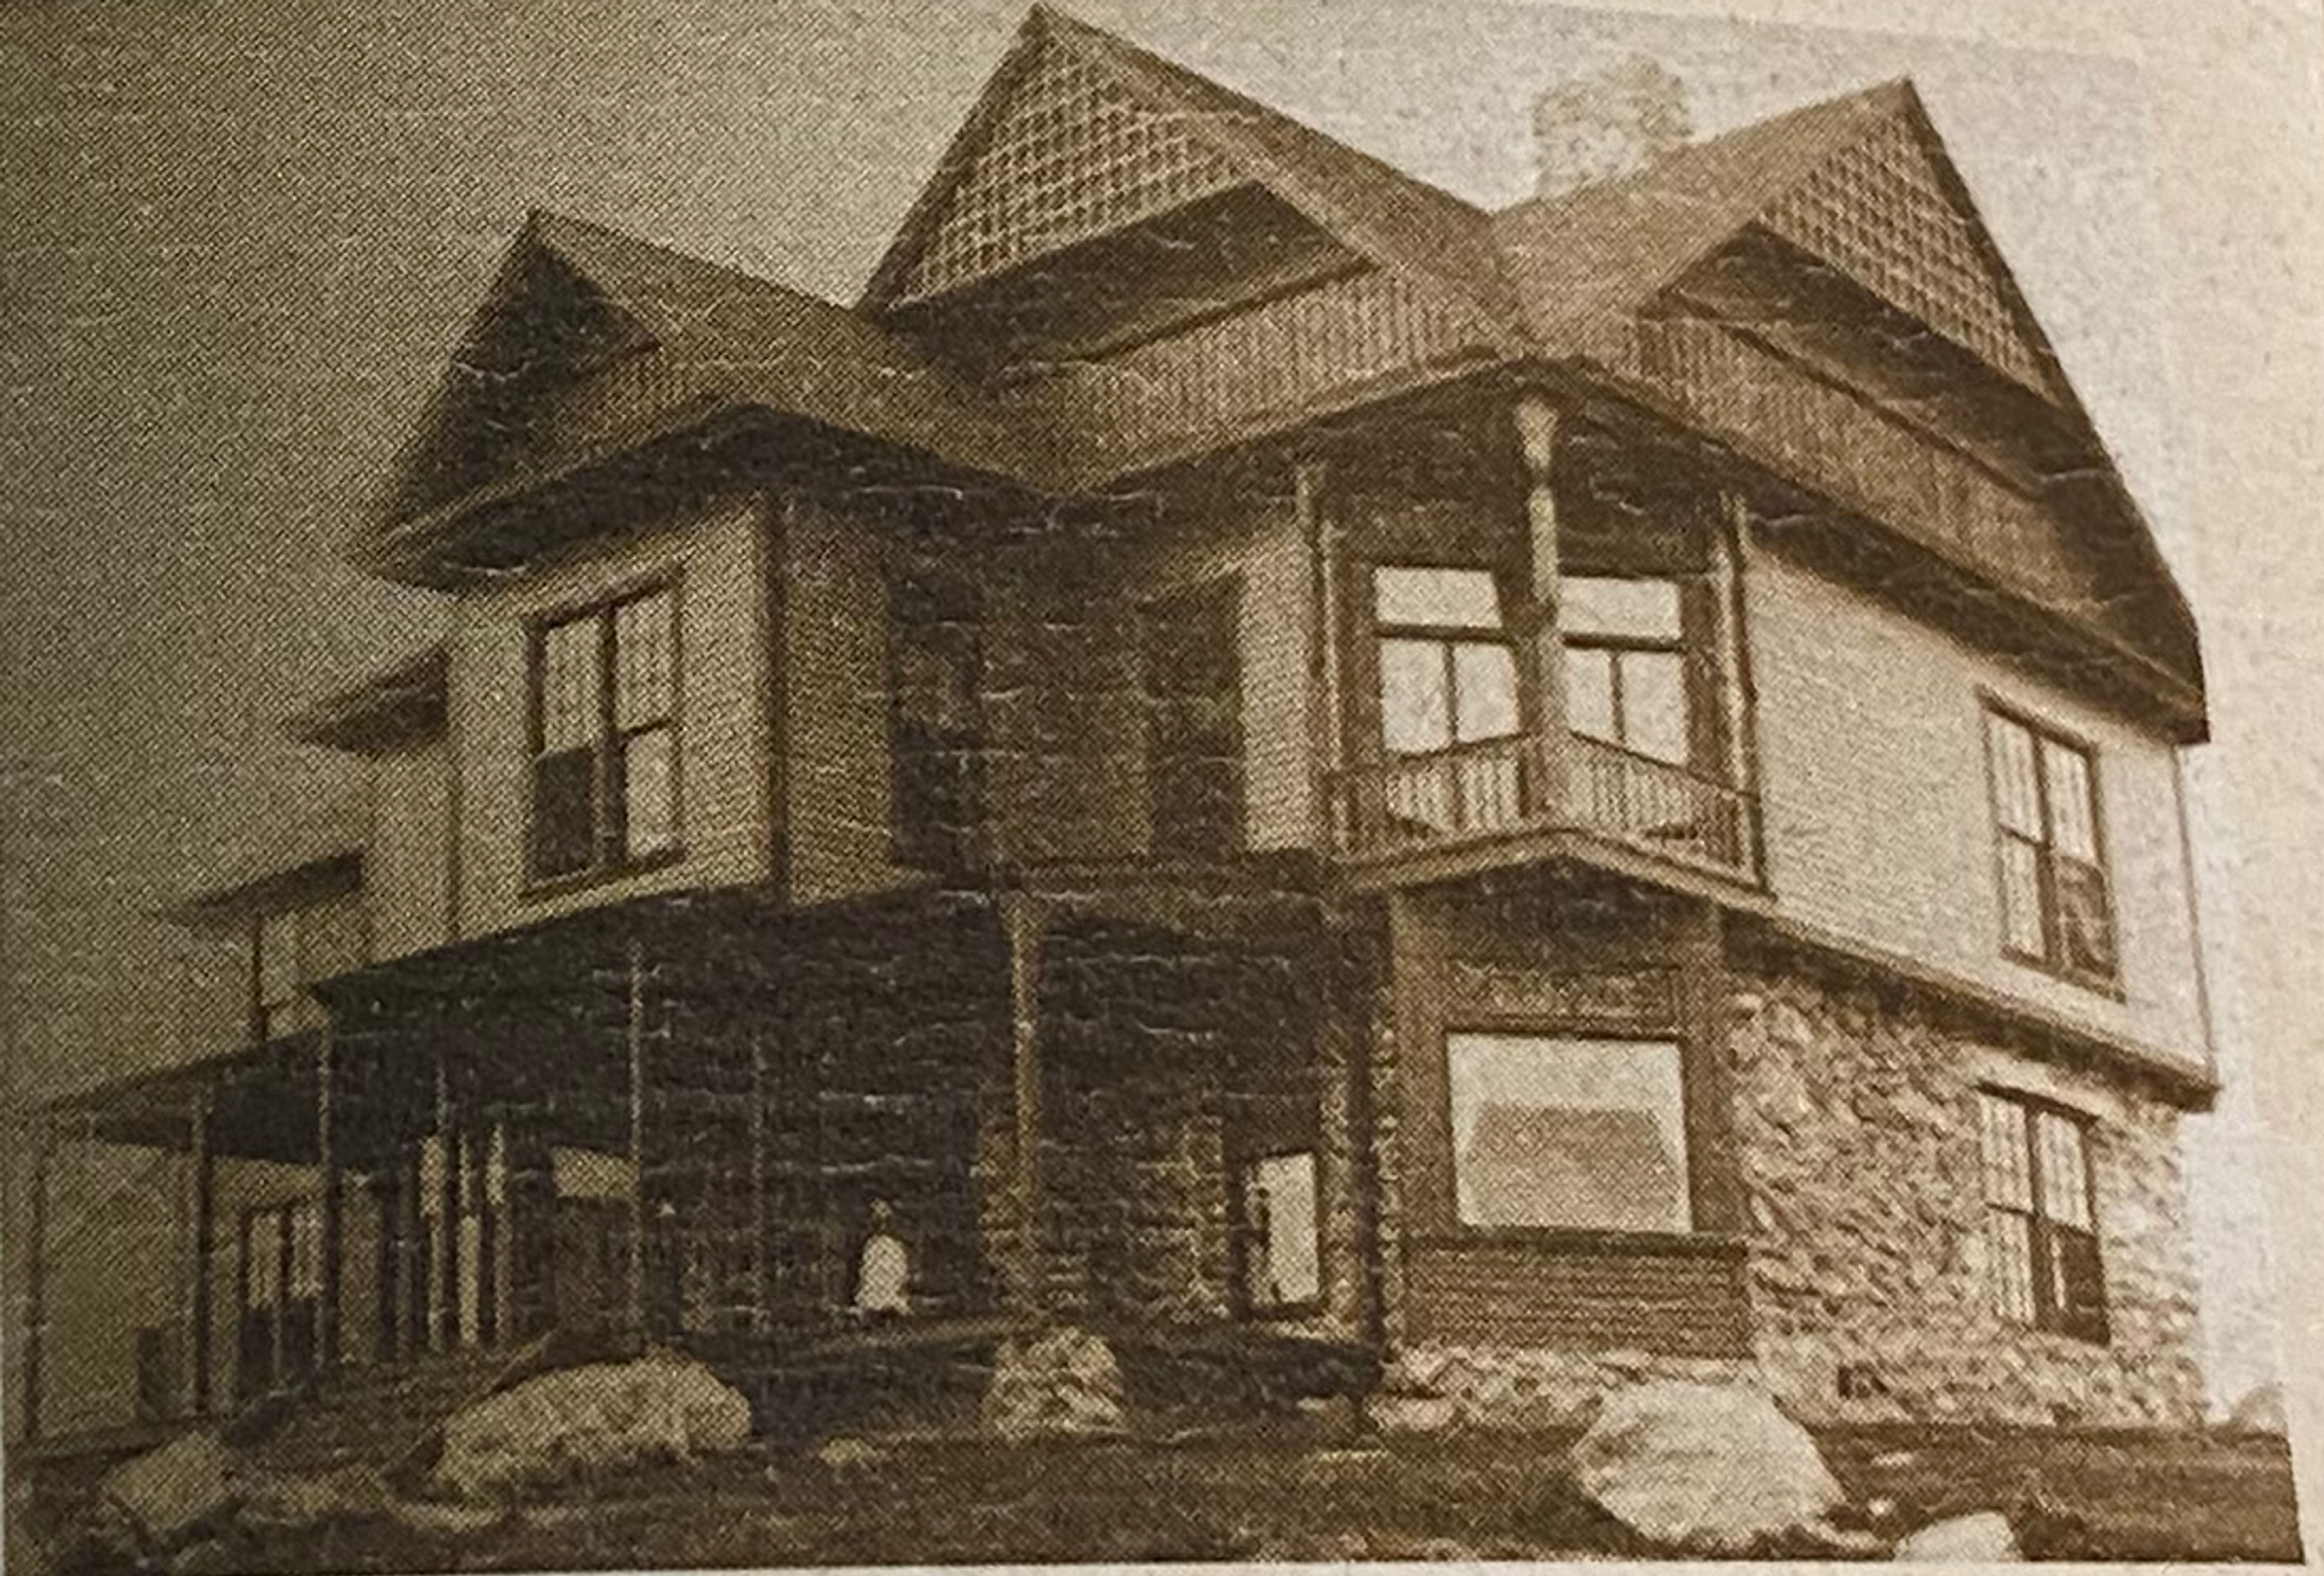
[1625, 664]
[605, 763]
[1568, 1133]
[2040, 1229]
[2055, 908]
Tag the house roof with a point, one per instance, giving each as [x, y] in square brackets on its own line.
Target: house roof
[399, 704]
[318, 849]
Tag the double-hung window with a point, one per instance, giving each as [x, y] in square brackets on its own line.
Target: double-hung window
[1448, 683]
[604, 762]
[2055, 910]
[1625, 664]
[2042, 1237]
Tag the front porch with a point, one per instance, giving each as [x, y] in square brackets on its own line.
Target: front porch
[682, 1121]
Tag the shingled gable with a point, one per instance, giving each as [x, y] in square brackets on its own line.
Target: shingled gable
[642, 345]
[1199, 138]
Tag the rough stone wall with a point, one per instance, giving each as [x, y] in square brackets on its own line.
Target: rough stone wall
[1857, 1130]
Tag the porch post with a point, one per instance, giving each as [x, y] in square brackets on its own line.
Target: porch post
[1326, 722]
[35, 1308]
[637, 1056]
[326, 1206]
[1026, 920]
[1537, 423]
[205, 1247]
[444, 1291]
[1735, 665]
[762, 1292]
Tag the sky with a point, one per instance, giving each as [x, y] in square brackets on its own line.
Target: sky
[238, 240]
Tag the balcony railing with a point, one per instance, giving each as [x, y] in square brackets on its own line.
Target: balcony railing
[1498, 787]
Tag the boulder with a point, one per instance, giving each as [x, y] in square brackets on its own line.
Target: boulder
[1707, 1469]
[172, 1492]
[293, 1502]
[586, 1423]
[1982, 1539]
[1408, 1413]
[1060, 1382]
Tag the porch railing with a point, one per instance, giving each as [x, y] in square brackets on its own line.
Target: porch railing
[1497, 788]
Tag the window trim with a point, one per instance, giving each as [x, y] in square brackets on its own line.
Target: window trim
[1492, 1025]
[2048, 1317]
[2052, 960]
[602, 609]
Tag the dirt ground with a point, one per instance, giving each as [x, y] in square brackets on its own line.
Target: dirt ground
[1253, 1494]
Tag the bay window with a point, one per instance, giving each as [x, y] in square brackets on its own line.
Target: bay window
[605, 748]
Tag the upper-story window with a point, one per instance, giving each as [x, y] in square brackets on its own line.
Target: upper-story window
[294, 946]
[604, 736]
[2042, 1237]
[934, 737]
[1447, 671]
[1625, 664]
[278, 970]
[2054, 904]
[1190, 691]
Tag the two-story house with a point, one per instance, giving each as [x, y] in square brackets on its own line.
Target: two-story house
[1534, 795]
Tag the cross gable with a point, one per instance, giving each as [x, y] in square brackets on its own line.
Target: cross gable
[544, 325]
[1058, 150]
[1891, 212]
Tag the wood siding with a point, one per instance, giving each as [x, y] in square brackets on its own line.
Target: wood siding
[1871, 734]
[1577, 1298]
[408, 865]
[714, 557]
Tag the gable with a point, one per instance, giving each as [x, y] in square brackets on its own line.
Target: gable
[1060, 152]
[1890, 214]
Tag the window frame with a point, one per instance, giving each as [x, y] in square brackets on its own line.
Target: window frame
[1252, 1241]
[608, 739]
[1448, 637]
[2054, 959]
[1617, 646]
[1672, 1038]
[2049, 1315]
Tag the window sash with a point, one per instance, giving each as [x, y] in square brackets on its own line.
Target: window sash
[2045, 1268]
[2045, 813]
[605, 758]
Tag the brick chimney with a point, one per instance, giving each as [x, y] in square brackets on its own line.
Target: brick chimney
[1607, 124]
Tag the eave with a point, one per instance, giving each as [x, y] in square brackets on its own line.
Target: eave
[398, 706]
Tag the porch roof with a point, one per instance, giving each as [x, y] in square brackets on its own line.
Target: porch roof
[261, 1099]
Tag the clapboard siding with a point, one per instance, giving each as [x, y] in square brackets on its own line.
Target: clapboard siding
[715, 557]
[1581, 1297]
[1878, 827]
[407, 868]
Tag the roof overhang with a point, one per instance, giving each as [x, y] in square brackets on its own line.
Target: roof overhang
[398, 705]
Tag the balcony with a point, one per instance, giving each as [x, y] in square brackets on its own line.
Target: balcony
[1505, 788]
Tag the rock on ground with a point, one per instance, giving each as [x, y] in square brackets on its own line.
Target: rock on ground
[588, 1422]
[1709, 1469]
[1984, 1539]
[1060, 1382]
[172, 1491]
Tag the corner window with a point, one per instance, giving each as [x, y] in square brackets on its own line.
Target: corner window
[1281, 1264]
[1573, 1134]
[1447, 672]
[604, 760]
[2042, 1239]
[1626, 665]
[2055, 908]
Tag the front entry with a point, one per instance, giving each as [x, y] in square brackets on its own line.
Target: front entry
[279, 1293]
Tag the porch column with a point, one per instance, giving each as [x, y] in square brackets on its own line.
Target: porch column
[444, 1290]
[1537, 423]
[1734, 661]
[762, 1289]
[1026, 919]
[204, 1224]
[35, 1313]
[636, 1035]
[327, 1205]
[1326, 720]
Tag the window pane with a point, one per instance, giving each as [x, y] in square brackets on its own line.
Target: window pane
[2074, 825]
[2065, 1177]
[1589, 694]
[2021, 896]
[2017, 797]
[2007, 1178]
[1566, 1132]
[2009, 1246]
[2084, 922]
[1416, 712]
[1653, 704]
[649, 793]
[569, 685]
[306, 1248]
[1281, 1196]
[1632, 609]
[1456, 598]
[1485, 690]
[645, 677]
[563, 813]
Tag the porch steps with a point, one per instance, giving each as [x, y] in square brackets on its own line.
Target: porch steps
[379, 1417]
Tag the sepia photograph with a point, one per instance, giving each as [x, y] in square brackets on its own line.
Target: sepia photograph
[794, 785]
